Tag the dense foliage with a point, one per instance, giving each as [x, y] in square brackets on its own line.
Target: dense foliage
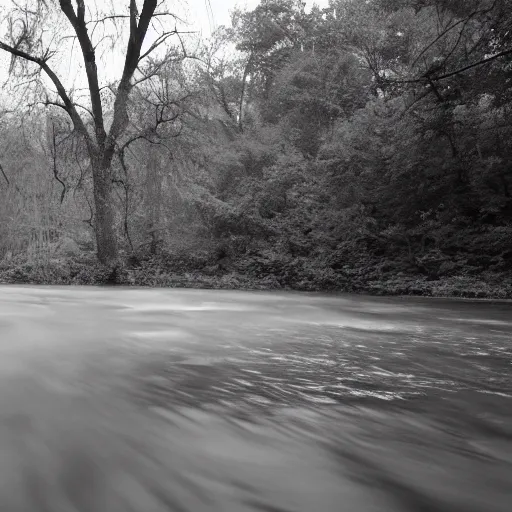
[362, 147]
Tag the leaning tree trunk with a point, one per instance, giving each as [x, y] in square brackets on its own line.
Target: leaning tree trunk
[106, 240]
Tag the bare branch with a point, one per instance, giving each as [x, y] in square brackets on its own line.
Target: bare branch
[69, 107]
[89, 111]
[150, 133]
[113, 17]
[110, 17]
[47, 103]
[55, 170]
[78, 23]
[150, 72]
[137, 35]
[428, 78]
[158, 42]
[4, 175]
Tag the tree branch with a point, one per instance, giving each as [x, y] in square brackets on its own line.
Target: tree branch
[68, 104]
[80, 10]
[4, 175]
[79, 25]
[474, 65]
[137, 35]
[428, 78]
[150, 73]
[55, 170]
[89, 111]
[47, 103]
[126, 187]
[113, 17]
[159, 40]
[451, 26]
[133, 17]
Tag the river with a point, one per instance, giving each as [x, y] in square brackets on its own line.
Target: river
[116, 399]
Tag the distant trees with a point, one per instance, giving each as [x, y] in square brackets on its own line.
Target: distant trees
[379, 126]
[346, 142]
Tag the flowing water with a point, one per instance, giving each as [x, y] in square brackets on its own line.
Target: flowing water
[189, 400]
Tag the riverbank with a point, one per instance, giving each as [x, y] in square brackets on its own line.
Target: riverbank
[300, 275]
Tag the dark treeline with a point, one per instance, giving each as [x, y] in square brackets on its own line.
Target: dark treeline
[362, 147]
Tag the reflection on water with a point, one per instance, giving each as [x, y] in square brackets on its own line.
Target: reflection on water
[229, 401]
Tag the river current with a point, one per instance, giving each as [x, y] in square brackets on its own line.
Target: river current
[191, 400]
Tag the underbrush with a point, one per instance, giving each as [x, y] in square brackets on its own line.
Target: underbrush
[265, 270]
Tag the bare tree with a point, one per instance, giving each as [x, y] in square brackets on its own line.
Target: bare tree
[27, 28]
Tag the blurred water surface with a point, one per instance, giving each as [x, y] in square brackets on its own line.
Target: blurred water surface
[190, 400]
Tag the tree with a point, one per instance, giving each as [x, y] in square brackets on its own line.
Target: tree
[32, 49]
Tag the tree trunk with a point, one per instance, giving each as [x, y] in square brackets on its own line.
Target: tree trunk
[247, 70]
[106, 241]
[153, 200]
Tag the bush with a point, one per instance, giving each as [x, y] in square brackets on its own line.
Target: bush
[264, 270]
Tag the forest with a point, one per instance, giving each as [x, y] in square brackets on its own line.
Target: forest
[363, 147]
